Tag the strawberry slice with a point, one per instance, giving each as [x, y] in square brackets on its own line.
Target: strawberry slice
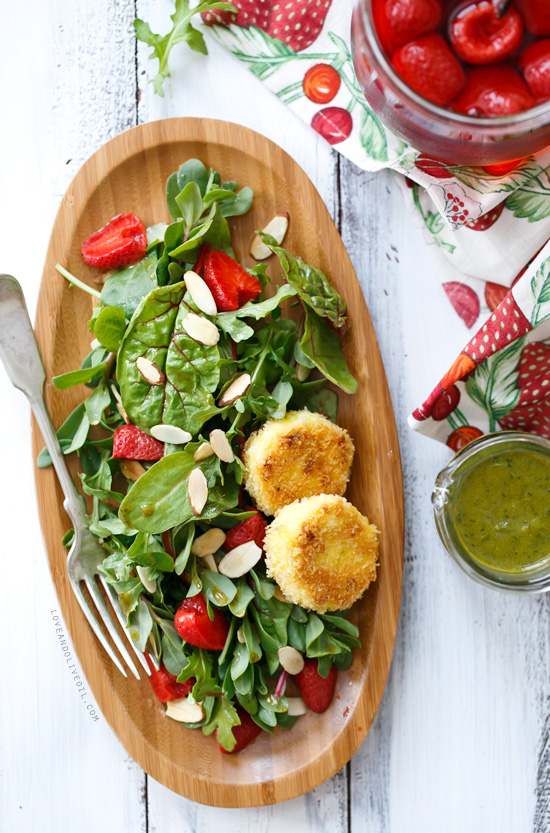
[252, 529]
[317, 692]
[131, 443]
[165, 685]
[121, 242]
[230, 284]
[243, 734]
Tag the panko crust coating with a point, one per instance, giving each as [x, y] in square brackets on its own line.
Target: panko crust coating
[301, 455]
[322, 552]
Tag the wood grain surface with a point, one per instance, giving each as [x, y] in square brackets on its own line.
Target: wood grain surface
[128, 174]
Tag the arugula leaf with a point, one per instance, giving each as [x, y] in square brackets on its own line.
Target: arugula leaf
[231, 323]
[200, 667]
[224, 717]
[322, 346]
[311, 285]
[191, 369]
[182, 30]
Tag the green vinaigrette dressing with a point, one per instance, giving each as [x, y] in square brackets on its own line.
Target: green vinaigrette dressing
[500, 506]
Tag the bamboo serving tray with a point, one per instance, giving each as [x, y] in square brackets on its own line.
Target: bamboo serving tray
[128, 174]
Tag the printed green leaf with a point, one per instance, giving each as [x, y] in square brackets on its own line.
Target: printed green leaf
[191, 369]
[372, 136]
[529, 205]
[495, 383]
[540, 287]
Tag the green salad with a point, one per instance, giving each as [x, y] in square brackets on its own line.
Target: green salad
[155, 493]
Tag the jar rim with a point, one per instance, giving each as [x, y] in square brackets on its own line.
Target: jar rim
[498, 123]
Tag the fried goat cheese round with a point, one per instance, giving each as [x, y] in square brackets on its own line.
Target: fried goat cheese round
[322, 552]
[301, 455]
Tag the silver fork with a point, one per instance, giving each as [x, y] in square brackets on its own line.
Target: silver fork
[21, 357]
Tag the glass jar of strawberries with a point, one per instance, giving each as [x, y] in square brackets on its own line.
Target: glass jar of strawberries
[465, 81]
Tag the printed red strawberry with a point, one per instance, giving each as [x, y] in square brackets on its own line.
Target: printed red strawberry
[298, 23]
[463, 436]
[399, 21]
[333, 123]
[536, 14]
[230, 284]
[505, 325]
[194, 625]
[433, 167]
[251, 529]
[317, 692]
[534, 64]
[321, 83]
[121, 242]
[243, 734]
[532, 412]
[165, 685]
[250, 13]
[486, 220]
[493, 91]
[429, 67]
[479, 35]
[464, 300]
[502, 168]
[495, 293]
[131, 443]
[446, 403]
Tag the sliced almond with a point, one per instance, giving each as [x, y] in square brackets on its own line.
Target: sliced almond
[95, 344]
[170, 434]
[302, 372]
[149, 371]
[198, 491]
[123, 413]
[236, 389]
[201, 329]
[291, 659]
[221, 445]
[296, 706]
[208, 543]
[240, 635]
[132, 469]
[240, 560]
[200, 293]
[185, 710]
[203, 451]
[277, 228]
[211, 563]
[149, 584]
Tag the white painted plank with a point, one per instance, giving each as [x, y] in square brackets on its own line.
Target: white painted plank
[71, 86]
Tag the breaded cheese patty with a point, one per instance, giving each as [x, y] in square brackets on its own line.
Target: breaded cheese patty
[301, 455]
[322, 552]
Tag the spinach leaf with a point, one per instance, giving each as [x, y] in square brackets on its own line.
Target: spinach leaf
[191, 171]
[140, 623]
[127, 287]
[109, 327]
[322, 345]
[191, 369]
[311, 284]
[159, 499]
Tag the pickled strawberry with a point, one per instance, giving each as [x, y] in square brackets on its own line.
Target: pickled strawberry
[493, 91]
[400, 21]
[534, 64]
[536, 14]
[429, 67]
[479, 35]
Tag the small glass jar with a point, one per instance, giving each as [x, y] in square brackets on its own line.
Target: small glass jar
[492, 510]
[451, 137]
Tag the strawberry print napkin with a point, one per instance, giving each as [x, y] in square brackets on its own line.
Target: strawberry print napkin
[501, 379]
[470, 217]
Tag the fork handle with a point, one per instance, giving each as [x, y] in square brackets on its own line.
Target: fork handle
[23, 362]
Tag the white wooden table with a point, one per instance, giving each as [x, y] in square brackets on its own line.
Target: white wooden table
[461, 741]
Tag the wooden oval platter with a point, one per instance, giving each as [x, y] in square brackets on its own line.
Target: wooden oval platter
[128, 175]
